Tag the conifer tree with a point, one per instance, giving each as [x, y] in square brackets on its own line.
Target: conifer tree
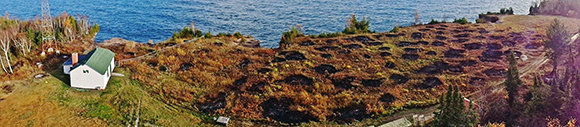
[452, 111]
[557, 36]
[512, 84]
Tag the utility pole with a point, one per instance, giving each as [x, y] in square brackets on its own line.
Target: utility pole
[47, 24]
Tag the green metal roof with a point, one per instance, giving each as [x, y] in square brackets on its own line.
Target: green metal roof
[99, 59]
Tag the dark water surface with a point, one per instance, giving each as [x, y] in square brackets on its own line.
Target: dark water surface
[141, 20]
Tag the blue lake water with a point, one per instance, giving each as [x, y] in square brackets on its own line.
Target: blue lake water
[142, 20]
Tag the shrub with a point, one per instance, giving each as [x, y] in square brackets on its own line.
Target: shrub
[461, 21]
[238, 35]
[395, 29]
[288, 36]
[327, 35]
[433, 21]
[187, 33]
[356, 27]
[94, 29]
[509, 11]
[208, 35]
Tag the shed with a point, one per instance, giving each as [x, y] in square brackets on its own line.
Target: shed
[90, 71]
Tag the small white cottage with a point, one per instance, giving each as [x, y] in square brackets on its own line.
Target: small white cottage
[91, 71]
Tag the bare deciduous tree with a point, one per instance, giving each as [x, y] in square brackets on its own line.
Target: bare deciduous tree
[5, 47]
[22, 43]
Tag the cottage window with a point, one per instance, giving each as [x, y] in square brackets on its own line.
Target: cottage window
[85, 71]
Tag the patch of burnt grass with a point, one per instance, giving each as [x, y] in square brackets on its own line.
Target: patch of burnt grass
[349, 114]
[294, 55]
[455, 69]
[264, 70]
[455, 53]
[344, 83]
[495, 72]
[367, 56]
[469, 31]
[432, 53]
[326, 48]
[377, 43]
[430, 82]
[345, 51]
[410, 56]
[438, 43]
[325, 68]
[387, 98]
[307, 43]
[258, 87]
[533, 45]
[461, 35]
[390, 65]
[298, 79]
[460, 40]
[439, 32]
[398, 79]
[185, 66]
[412, 50]
[331, 41]
[278, 59]
[479, 37]
[372, 82]
[483, 31]
[424, 30]
[468, 62]
[325, 55]
[416, 35]
[494, 46]
[352, 46]
[491, 56]
[362, 39]
[245, 62]
[384, 54]
[472, 46]
[240, 81]
[392, 35]
[406, 43]
[385, 48]
[497, 37]
[442, 38]
[435, 68]
[279, 110]
[423, 42]
[214, 104]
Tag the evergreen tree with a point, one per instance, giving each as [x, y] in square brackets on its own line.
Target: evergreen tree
[512, 84]
[452, 111]
[557, 37]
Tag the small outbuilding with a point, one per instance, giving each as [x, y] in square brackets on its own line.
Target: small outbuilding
[90, 71]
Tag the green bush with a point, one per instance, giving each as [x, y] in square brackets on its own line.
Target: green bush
[461, 21]
[395, 29]
[327, 35]
[433, 21]
[208, 35]
[187, 33]
[94, 29]
[238, 35]
[357, 27]
[288, 36]
[509, 11]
